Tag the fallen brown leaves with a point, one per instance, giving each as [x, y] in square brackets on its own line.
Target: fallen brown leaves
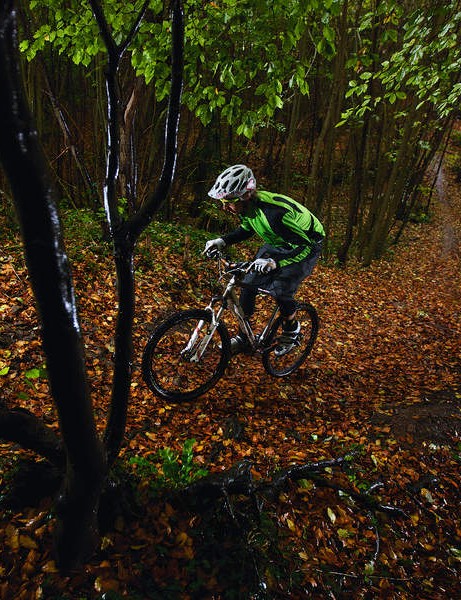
[384, 378]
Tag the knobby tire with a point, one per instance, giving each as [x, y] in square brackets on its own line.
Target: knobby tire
[170, 374]
[287, 364]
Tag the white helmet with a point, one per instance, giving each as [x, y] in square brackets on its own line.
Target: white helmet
[233, 182]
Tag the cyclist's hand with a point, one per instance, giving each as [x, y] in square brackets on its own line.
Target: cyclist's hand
[264, 265]
[213, 246]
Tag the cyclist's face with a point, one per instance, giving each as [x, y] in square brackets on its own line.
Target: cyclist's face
[236, 205]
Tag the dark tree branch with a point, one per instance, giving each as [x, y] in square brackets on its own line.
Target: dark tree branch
[123, 354]
[124, 241]
[204, 494]
[239, 481]
[362, 498]
[104, 28]
[134, 29]
[113, 119]
[125, 234]
[235, 481]
[139, 221]
[22, 427]
[115, 54]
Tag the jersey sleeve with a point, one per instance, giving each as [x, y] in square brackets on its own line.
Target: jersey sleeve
[239, 235]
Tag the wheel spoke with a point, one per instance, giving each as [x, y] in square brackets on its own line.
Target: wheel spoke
[285, 363]
[181, 360]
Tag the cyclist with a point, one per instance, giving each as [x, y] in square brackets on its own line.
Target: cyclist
[293, 239]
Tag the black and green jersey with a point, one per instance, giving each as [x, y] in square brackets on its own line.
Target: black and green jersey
[282, 223]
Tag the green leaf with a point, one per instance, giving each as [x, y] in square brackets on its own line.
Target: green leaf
[344, 534]
[36, 373]
[328, 33]
[369, 568]
[32, 373]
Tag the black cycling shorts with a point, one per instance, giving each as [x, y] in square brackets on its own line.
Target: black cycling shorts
[282, 283]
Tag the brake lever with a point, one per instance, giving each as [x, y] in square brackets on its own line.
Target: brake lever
[214, 254]
[243, 267]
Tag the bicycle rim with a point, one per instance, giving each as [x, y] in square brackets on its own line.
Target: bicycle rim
[280, 366]
[176, 365]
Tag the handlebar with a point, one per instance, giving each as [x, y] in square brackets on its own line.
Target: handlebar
[230, 267]
[239, 267]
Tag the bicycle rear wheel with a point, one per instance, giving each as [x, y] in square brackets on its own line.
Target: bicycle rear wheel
[180, 361]
[280, 366]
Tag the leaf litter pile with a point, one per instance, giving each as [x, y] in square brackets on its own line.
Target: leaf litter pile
[380, 395]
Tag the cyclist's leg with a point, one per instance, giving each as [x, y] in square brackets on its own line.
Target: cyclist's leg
[291, 327]
[248, 301]
[240, 342]
[288, 283]
[287, 305]
[282, 358]
[285, 289]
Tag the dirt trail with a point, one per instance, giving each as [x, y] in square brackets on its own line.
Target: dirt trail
[449, 209]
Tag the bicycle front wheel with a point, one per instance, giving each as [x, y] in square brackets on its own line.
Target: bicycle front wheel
[186, 355]
[283, 364]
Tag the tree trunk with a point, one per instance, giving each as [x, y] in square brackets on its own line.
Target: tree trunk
[389, 199]
[356, 192]
[293, 122]
[35, 203]
[123, 355]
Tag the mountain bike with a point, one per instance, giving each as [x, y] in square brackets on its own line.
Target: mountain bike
[188, 352]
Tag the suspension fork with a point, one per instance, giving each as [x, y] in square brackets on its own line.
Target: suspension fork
[203, 345]
[244, 324]
[229, 298]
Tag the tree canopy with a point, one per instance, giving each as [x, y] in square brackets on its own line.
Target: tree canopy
[343, 103]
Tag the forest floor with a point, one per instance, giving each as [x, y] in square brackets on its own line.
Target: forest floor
[383, 382]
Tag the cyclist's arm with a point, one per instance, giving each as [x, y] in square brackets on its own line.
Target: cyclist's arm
[239, 235]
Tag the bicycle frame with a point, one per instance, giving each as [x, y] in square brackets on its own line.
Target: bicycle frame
[230, 300]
